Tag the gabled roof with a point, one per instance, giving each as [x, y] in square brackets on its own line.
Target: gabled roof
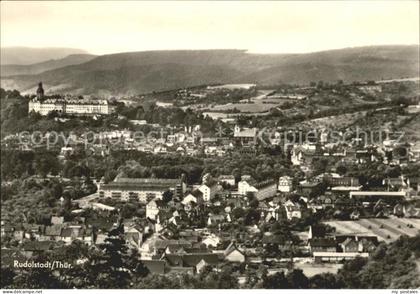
[197, 193]
[226, 177]
[162, 244]
[247, 133]
[191, 260]
[38, 245]
[265, 184]
[217, 217]
[231, 248]
[273, 239]
[54, 230]
[348, 241]
[262, 205]
[32, 227]
[155, 266]
[67, 232]
[322, 242]
[367, 240]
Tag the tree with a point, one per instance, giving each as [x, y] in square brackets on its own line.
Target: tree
[350, 272]
[320, 84]
[7, 276]
[324, 281]
[341, 169]
[238, 212]
[167, 196]
[276, 281]
[297, 280]
[109, 267]
[37, 278]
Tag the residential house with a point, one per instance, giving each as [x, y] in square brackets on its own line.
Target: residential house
[7, 230]
[304, 154]
[57, 220]
[322, 245]
[191, 260]
[233, 254]
[211, 241]
[406, 210]
[53, 232]
[334, 181]
[209, 191]
[195, 196]
[155, 246]
[35, 247]
[308, 188]
[133, 236]
[245, 136]
[33, 231]
[227, 179]
[215, 219]
[285, 184]
[261, 191]
[155, 266]
[350, 245]
[293, 210]
[152, 209]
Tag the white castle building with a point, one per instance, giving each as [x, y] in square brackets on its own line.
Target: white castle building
[68, 106]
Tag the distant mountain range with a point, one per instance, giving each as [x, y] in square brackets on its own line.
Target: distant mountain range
[28, 55]
[36, 68]
[142, 72]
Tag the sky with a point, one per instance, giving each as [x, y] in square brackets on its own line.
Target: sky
[102, 27]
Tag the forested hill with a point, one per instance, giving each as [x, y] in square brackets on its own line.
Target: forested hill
[393, 266]
[142, 72]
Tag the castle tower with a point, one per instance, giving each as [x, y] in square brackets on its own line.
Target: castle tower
[40, 91]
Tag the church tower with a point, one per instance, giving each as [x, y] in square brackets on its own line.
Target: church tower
[40, 91]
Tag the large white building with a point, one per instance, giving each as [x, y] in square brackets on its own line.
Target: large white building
[140, 189]
[285, 184]
[209, 191]
[68, 106]
[261, 190]
[76, 107]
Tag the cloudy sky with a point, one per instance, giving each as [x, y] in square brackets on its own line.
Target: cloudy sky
[267, 27]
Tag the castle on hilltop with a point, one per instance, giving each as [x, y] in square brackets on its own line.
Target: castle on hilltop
[74, 106]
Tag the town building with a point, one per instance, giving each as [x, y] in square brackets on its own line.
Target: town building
[195, 196]
[209, 191]
[245, 136]
[73, 106]
[152, 209]
[285, 184]
[233, 254]
[227, 179]
[261, 191]
[141, 189]
[293, 210]
[374, 196]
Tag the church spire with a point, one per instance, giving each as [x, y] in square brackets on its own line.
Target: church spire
[40, 91]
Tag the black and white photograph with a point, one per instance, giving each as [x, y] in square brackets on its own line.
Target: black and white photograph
[193, 145]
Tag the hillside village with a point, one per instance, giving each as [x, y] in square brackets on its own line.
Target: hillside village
[240, 189]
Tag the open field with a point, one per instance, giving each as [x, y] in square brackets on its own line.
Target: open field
[387, 230]
[245, 107]
[256, 104]
[339, 121]
[311, 270]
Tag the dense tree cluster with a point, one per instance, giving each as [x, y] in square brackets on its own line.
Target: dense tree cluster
[113, 266]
